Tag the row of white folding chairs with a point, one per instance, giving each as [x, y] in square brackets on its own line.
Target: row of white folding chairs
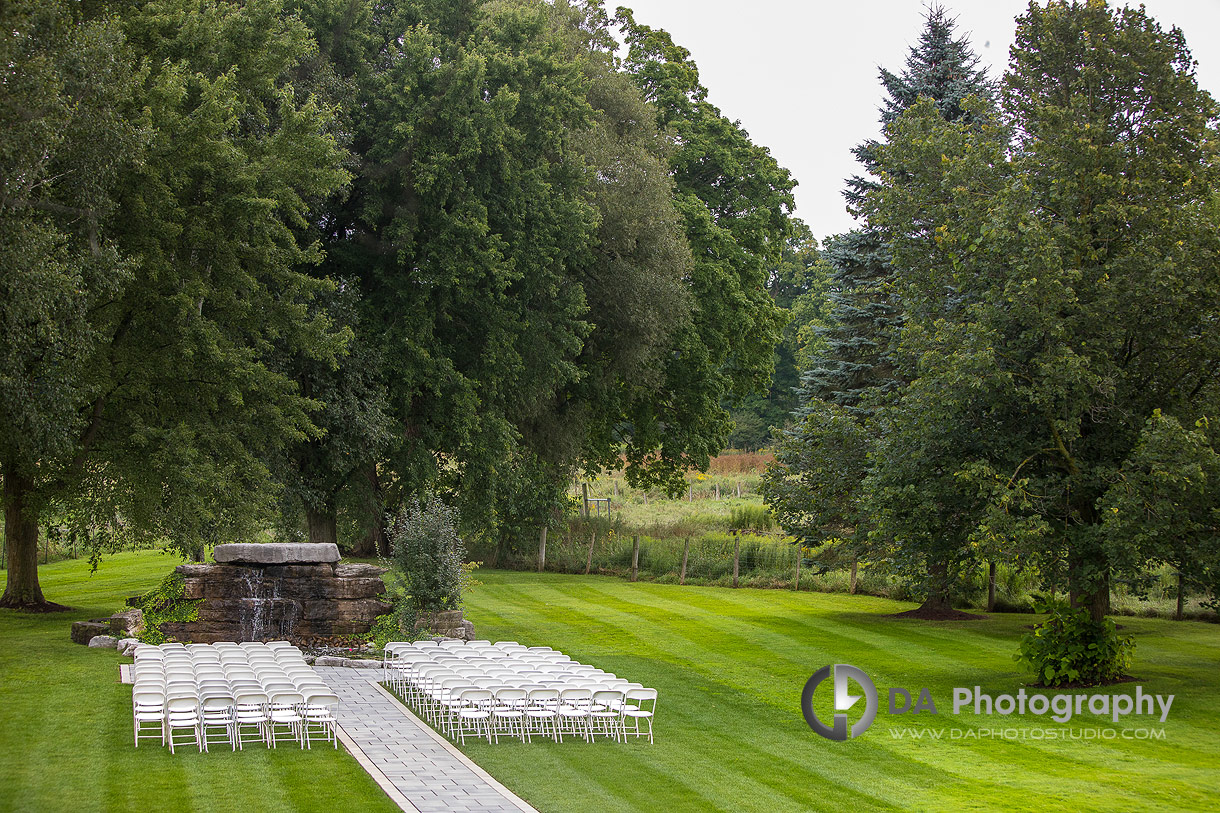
[194, 649]
[520, 712]
[242, 716]
[401, 659]
[432, 680]
[267, 678]
[230, 687]
[434, 691]
[218, 653]
[415, 681]
[402, 673]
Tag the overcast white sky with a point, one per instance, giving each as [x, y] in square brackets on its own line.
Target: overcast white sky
[801, 75]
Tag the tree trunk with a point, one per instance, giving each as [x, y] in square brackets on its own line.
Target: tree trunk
[855, 566]
[1177, 616]
[378, 508]
[990, 586]
[21, 538]
[322, 526]
[938, 605]
[1096, 600]
[370, 543]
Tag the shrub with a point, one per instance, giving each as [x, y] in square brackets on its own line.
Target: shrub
[1070, 647]
[165, 602]
[426, 560]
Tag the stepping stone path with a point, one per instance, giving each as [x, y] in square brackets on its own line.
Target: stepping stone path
[418, 768]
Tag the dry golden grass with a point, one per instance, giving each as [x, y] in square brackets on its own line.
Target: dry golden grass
[740, 462]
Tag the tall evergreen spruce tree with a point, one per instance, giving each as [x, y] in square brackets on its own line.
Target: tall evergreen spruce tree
[816, 487]
[857, 368]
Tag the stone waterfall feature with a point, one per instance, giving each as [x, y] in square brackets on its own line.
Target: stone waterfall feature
[280, 591]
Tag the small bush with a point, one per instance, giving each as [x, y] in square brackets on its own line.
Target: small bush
[427, 560]
[388, 627]
[1070, 647]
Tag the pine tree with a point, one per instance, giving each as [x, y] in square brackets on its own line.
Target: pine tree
[857, 370]
[816, 488]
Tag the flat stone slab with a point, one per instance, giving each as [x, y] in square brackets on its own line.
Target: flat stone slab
[276, 553]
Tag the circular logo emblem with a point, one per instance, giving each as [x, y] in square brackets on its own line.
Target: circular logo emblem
[842, 673]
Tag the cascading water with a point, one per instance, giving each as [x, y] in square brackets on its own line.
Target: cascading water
[279, 591]
[264, 614]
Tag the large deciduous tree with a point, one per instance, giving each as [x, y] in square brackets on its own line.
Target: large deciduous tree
[463, 229]
[1061, 292]
[156, 168]
[735, 201]
[523, 255]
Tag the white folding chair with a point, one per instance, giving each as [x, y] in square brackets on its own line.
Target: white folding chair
[574, 711]
[474, 714]
[284, 719]
[148, 713]
[216, 711]
[509, 710]
[643, 708]
[606, 714]
[318, 712]
[182, 713]
[250, 711]
[542, 713]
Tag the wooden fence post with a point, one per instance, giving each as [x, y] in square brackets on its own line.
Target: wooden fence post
[717, 490]
[584, 500]
[736, 559]
[690, 492]
[589, 561]
[739, 489]
[542, 550]
[990, 586]
[635, 557]
[685, 554]
[798, 569]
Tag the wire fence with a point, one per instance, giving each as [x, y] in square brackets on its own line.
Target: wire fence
[758, 560]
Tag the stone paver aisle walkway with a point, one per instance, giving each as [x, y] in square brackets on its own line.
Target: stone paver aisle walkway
[417, 767]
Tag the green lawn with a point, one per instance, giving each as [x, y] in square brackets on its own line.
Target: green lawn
[730, 666]
[65, 723]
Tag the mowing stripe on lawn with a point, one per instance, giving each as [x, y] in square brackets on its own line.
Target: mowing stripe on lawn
[730, 664]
